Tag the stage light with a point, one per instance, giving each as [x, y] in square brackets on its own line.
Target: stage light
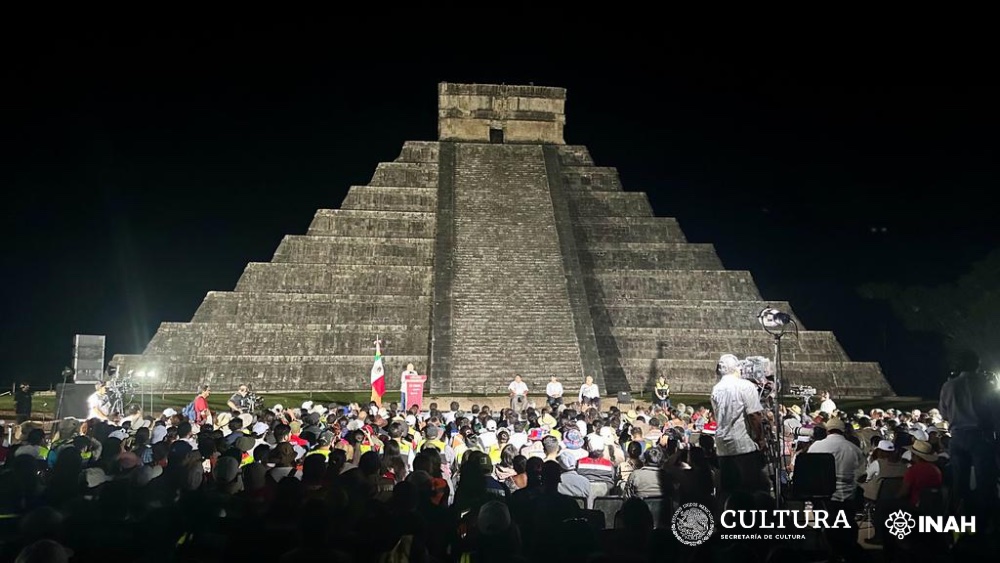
[774, 321]
[140, 374]
[151, 373]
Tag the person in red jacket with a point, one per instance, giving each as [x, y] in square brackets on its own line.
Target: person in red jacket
[203, 415]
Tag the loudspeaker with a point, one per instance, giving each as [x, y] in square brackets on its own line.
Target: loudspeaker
[71, 399]
[815, 476]
[88, 358]
[624, 398]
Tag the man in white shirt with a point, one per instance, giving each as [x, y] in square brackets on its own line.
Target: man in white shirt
[827, 405]
[739, 415]
[97, 402]
[518, 395]
[410, 370]
[554, 392]
[590, 396]
[850, 465]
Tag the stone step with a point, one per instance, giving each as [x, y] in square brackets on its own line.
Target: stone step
[359, 223]
[650, 256]
[609, 204]
[851, 379]
[296, 308]
[199, 339]
[385, 198]
[480, 373]
[694, 343]
[335, 279]
[308, 249]
[287, 374]
[591, 178]
[419, 151]
[574, 155]
[728, 285]
[682, 314]
[412, 174]
[589, 230]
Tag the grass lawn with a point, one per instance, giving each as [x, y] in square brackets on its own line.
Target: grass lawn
[44, 403]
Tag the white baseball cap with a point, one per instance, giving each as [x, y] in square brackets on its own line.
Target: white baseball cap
[120, 434]
[491, 425]
[886, 446]
[169, 412]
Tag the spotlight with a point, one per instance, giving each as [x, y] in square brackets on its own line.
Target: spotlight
[140, 374]
[774, 321]
[151, 373]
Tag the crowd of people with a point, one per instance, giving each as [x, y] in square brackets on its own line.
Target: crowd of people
[534, 482]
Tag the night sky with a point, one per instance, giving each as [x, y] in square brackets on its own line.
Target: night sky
[144, 169]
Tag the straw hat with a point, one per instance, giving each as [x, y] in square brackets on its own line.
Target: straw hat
[923, 450]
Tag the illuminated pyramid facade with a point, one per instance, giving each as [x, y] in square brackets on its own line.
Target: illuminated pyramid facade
[496, 250]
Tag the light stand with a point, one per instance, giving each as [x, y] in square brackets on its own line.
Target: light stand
[776, 324]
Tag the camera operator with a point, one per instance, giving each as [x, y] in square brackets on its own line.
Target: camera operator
[241, 402]
[739, 439]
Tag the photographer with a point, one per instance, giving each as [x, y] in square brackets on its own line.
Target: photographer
[241, 401]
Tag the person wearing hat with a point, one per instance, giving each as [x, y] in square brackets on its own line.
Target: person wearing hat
[662, 392]
[923, 473]
[849, 465]
[323, 444]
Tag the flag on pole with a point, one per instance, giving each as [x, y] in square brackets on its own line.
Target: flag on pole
[378, 375]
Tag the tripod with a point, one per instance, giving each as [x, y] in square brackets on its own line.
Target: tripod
[776, 324]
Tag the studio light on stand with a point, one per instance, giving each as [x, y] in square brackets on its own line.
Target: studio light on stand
[777, 324]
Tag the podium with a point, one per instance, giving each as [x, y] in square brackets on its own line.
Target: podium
[414, 390]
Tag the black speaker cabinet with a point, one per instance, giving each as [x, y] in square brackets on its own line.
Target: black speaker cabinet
[71, 399]
[624, 398]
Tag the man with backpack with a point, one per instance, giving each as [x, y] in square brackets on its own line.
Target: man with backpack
[197, 411]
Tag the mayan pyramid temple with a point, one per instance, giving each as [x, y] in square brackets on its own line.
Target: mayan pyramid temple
[497, 249]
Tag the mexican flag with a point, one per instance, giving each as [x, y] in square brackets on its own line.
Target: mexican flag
[378, 375]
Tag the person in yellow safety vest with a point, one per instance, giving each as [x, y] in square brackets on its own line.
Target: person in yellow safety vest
[395, 431]
[503, 438]
[245, 444]
[323, 445]
[34, 445]
[432, 435]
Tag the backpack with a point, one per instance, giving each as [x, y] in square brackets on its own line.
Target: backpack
[188, 412]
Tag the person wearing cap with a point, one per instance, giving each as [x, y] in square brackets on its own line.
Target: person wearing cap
[885, 464]
[596, 468]
[922, 474]
[432, 438]
[323, 443]
[739, 435]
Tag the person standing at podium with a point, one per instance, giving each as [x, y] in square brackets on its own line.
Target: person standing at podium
[410, 370]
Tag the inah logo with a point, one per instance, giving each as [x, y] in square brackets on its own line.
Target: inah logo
[900, 523]
[692, 524]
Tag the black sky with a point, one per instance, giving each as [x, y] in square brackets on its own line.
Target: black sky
[145, 168]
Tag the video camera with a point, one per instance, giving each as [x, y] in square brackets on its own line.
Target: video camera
[802, 391]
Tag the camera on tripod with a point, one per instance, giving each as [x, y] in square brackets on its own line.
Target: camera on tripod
[802, 391]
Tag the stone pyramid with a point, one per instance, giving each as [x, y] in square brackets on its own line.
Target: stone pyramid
[496, 250]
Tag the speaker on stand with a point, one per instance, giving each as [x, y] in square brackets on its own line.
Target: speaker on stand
[624, 398]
